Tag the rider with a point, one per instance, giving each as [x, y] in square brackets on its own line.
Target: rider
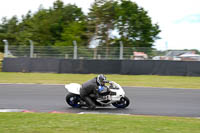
[92, 87]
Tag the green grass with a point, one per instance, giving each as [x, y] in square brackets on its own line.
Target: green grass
[124, 80]
[91, 123]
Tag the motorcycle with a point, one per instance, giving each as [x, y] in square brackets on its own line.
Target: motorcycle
[113, 94]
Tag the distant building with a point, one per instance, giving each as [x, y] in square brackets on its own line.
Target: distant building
[179, 55]
[190, 57]
[139, 56]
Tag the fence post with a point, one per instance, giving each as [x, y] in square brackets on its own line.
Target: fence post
[75, 49]
[31, 48]
[5, 48]
[95, 53]
[121, 51]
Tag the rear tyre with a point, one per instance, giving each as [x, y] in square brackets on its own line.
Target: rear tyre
[123, 103]
[73, 100]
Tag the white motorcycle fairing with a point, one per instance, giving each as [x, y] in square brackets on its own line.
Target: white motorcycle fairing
[73, 88]
[118, 90]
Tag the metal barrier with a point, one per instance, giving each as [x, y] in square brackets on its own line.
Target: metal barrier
[98, 53]
[132, 67]
[74, 52]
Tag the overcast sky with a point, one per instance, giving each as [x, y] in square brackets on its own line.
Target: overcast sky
[179, 20]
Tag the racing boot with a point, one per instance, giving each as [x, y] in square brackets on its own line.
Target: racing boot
[90, 103]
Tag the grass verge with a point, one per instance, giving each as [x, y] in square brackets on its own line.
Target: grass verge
[124, 80]
[91, 123]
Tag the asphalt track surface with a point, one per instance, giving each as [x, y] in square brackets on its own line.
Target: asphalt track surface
[144, 101]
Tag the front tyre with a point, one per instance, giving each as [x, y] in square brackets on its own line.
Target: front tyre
[123, 103]
[73, 100]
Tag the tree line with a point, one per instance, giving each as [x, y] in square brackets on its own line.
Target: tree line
[107, 23]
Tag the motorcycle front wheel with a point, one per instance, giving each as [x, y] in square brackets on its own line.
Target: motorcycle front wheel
[73, 100]
[123, 103]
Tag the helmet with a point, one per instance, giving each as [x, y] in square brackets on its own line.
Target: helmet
[101, 79]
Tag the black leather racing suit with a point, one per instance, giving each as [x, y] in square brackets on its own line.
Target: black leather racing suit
[89, 87]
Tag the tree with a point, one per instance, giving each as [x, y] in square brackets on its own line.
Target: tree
[71, 26]
[73, 32]
[135, 26]
[2, 32]
[46, 26]
[101, 21]
[25, 30]
[9, 29]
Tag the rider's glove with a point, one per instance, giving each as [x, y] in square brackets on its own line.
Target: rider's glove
[100, 89]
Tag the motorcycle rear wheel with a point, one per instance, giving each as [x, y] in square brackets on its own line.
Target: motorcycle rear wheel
[123, 103]
[73, 100]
